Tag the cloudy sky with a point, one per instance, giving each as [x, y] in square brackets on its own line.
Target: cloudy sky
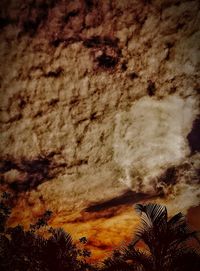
[99, 110]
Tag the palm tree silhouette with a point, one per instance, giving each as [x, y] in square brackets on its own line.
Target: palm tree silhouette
[166, 244]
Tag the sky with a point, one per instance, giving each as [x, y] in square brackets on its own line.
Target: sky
[99, 111]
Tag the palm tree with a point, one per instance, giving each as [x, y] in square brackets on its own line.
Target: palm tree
[165, 241]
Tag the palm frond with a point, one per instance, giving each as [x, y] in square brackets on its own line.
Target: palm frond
[62, 238]
[185, 259]
[138, 257]
[178, 218]
[154, 212]
[154, 220]
[114, 264]
[177, 223]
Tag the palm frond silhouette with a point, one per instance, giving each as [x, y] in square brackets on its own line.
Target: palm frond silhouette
[165, 240]
[166, 245]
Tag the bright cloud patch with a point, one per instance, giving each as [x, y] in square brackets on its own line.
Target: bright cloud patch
[151, 137]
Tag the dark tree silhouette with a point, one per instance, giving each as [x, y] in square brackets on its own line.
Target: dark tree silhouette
[26, 250]
[166, 242]
[166, 245]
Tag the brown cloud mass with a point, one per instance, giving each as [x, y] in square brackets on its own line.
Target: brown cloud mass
[99, 110]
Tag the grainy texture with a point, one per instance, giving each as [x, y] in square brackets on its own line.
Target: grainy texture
[98, 97]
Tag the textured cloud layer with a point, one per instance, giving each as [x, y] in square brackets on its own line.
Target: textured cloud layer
[152, 136]
[97, 96]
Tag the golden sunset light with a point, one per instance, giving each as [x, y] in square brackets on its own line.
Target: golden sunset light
[100, 112]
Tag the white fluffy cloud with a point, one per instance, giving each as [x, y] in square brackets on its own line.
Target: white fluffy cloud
[151, 137]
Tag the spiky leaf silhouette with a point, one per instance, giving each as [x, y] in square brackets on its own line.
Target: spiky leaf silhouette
[26, 250]
[164, 238]
[165, 244]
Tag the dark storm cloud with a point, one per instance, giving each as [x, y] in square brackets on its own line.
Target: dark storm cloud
[169, 176]
[127, 198]
[35, 172]
[194, 136]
